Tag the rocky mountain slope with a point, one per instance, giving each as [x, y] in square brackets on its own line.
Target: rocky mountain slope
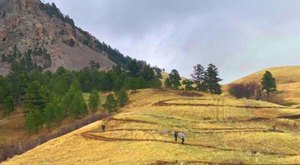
[38, 35]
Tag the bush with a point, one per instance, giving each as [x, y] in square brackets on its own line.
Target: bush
[250, 90]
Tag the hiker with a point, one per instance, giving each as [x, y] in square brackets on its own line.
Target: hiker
[176, 135]
[103, 128]
[182, 137]
[274, 128]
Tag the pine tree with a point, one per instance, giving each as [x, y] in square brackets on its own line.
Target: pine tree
[134, 68]
[3, 89]
[49, 114]
[188, 84]
[33, 121]
[30, 123]
[122, 98]
[147, 73]
[168, 83]
[78, 107]
[173, 80]
[198, 76]
[68, 98]
[268, 83]
[8, 105]
[132, 84]
[73, 102]
[94, 101]
[212, 80]
[111, 105]
[34, 98]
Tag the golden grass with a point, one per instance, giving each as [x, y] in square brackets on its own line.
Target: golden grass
[142, 133]
[283, 75]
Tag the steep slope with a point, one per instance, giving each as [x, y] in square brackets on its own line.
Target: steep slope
[218, 130]
[39, 35]
[287, 78]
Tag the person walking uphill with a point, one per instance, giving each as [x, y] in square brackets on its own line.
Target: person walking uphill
[176, 135]
[182, 137]
[103, 127]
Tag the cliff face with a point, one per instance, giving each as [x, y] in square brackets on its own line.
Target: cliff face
[50, 38]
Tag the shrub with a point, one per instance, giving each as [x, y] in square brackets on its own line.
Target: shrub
[250, 90]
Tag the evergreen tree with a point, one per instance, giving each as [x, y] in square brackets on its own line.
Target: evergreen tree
[122, 98]
[4, 90]
[49, 114]
[212, 80]
[147, 73]
[157, 72]
[18, 83]
[155, 83]
[132, 84]
[174, 79]
[94, 101]
[78, 107]
[188, 84]
[268, 83]
[33, 121]
[30, 123]
[168, 83]
[8, 105]
[119, 77]
[58, 111]
[73, 101]
[34, 98]
[198, 77]
[134, 68]
[111, 104]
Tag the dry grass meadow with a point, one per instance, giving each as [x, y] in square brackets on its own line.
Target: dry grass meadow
[218, 129]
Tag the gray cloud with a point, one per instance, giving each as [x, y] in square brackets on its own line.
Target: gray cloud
[239, 36]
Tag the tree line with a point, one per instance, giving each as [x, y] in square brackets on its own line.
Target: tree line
[201, 80]
[48, 98]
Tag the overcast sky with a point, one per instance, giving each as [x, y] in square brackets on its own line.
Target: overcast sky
[238, 36]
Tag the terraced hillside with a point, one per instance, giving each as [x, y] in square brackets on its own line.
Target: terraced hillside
[287, 78]
[218, 130]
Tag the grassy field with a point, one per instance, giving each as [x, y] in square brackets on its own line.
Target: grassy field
[218, 130]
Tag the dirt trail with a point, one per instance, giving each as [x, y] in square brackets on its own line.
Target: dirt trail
[160, 162]
[204, 131]
[289, 117]
[164, 103]
[131, 120]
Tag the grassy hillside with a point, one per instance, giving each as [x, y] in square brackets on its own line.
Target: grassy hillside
[287, 78]
[218, 130]
[283, 75]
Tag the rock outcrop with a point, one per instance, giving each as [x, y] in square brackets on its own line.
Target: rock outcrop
[31, 25]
